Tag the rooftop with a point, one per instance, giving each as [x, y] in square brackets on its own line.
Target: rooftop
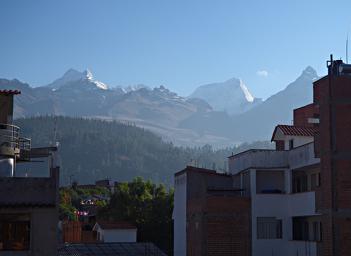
[115, 225]
[293, 130]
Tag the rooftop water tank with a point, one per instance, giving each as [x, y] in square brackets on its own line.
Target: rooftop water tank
[6, 167]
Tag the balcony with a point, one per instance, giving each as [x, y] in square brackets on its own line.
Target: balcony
[302, 156]
[10, 141]
[258, 158]
[263, 158]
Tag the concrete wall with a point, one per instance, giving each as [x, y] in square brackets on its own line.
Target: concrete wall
[302, 156]
[298, 141]
[258, 158]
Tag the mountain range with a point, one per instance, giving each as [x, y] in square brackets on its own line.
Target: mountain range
[220, 114]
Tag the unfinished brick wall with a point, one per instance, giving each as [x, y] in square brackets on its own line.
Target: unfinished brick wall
[301, 115]
[334, 148]
[218, 218]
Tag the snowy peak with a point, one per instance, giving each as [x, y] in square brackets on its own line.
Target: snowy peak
[309, 73]
[231, 96]
[73, 75]
[246, 92]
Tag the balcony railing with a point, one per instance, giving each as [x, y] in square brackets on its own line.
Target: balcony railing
[302, 156]
[258, 158]
[263, 158]
[9, 137]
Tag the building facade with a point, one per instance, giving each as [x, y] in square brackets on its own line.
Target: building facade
[300, 193]
[28, 204]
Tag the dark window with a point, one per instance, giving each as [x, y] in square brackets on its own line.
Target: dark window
[14, 232]
[269, 228]
[300, 229]
[317, 231]
[291, 144]
[300, 184]
[314, 181]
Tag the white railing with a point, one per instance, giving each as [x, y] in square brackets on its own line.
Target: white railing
[302, 156]
[258, 158]
[9, 137]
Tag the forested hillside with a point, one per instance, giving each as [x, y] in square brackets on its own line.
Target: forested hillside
[94, 149]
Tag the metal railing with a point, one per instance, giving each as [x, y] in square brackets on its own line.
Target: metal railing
[9, 137]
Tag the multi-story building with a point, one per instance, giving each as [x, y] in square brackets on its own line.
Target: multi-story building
[28, 204]
[299, 194]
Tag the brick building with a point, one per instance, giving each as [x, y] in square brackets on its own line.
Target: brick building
[210, 215]
[294, 200]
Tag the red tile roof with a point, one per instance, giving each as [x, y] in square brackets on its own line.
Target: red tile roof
[115, 225]
[295, 130]
[10, 92]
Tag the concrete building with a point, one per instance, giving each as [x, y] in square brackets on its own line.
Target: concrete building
[210, 215]
[299, 194]
[28, 204]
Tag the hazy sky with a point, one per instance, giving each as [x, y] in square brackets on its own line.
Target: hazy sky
[179, 44]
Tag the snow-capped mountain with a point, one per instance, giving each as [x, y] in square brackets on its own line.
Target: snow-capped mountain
[132, 88]
[73, 75]
[185, 121]
[231, 96]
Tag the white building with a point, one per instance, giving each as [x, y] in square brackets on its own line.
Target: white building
[115, 232]
[282, 184]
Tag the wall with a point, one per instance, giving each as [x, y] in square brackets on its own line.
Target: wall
[120, 235]
[284, 207]
[334, 199]
[302, 115]
[179, 215]
[298, 141]
[257, 158]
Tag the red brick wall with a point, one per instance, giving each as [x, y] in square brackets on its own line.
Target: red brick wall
[334, 146]
[228, 226]
[219, 225]
[302, 114]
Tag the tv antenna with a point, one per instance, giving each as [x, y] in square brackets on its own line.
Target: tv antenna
[347, 48]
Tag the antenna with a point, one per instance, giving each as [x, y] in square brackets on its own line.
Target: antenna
[347, 48]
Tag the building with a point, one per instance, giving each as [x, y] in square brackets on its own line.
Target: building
[28, 204]
[115, 232]
[299, 194]
[210, 215]
[110, 249]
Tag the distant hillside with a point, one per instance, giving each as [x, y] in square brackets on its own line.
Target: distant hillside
[94, 149]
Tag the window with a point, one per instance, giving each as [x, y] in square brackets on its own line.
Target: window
[14, 232]
[307, 229]
[269, 228]
[317, 231]
[300, 184]
[300, 229]
[291, 144]
[314, 181]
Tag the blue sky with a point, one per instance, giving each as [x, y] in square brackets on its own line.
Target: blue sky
[179, 44]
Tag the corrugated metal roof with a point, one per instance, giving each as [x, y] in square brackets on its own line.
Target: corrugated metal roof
[110, 249]
[293, 130]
